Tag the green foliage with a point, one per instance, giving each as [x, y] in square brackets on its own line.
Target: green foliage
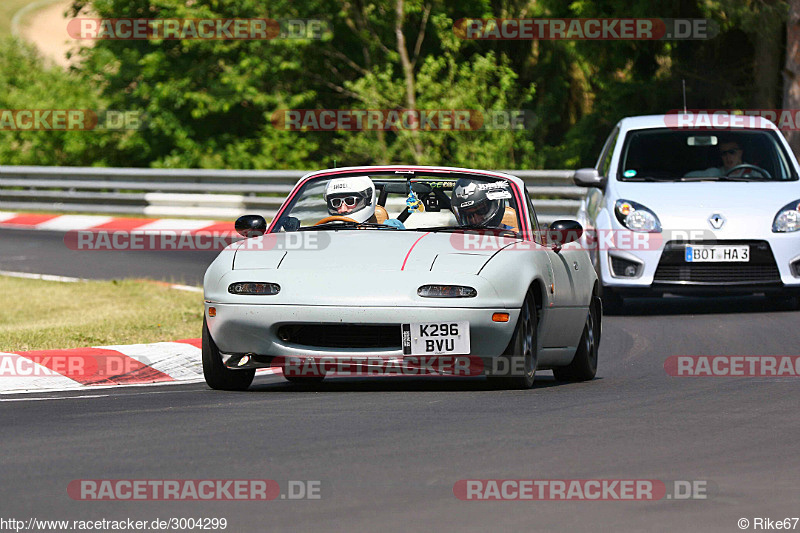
[209, 103]
[27, 83]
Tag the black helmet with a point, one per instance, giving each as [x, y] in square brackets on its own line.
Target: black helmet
[479, 203]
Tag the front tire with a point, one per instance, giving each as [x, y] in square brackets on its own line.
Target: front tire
[217, 375]
[584, 365]
[523, 345]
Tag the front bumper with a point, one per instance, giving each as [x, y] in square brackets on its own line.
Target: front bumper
[773, 268]
[239, 329]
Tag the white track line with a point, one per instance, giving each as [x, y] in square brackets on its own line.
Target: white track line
[187, 288]
[66, 279]
[43, 277]
[54, 398]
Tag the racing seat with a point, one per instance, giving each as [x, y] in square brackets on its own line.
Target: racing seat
[510, 218]
[381, 215]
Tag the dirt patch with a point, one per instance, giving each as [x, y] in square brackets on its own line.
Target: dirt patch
[47, 29]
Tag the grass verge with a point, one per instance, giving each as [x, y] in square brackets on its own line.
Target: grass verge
[46, 315]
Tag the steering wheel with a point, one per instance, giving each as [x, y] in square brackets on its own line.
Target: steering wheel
[751, 167]
[334, 218]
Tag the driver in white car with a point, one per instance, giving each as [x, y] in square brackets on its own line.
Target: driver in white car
[353, 198]
[731, 154]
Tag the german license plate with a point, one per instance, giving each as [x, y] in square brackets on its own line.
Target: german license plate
[436, 338]
[717, 254]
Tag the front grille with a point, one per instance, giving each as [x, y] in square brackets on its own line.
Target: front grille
[342, 335]
[761, 269]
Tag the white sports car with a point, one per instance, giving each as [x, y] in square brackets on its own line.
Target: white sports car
[688, 204]
[388, 265]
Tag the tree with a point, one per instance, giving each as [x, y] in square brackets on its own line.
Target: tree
[28, 83]
[791, 72]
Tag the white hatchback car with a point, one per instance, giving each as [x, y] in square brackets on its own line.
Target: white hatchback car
[675, 206]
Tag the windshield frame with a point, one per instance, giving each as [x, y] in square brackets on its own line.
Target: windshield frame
[784, 157]
[519, 196]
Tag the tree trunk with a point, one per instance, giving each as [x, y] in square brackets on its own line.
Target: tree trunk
[408, 69]
[768, 58]
[791, 72]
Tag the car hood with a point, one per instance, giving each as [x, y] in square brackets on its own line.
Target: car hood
[747, 207]
[376, 250]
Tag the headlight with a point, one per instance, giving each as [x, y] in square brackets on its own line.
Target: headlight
[788, 218]
[446, 291]
[254, 288]
[636, 217]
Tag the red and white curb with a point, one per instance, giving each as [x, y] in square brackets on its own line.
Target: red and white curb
[103, 366]
[67, 223]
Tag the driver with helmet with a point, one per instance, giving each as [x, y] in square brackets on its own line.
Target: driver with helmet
[480, 203]
[352, 197]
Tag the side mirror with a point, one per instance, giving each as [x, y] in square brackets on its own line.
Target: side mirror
[563, 232]
[251, 226]
[588, 177]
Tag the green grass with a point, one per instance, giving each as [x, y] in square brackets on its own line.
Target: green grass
[45, 315]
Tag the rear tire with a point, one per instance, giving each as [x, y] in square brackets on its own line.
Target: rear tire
[217, 375]
[523, 345]
[584, 365]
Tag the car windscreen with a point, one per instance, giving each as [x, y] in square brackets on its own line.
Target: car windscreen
[405, 202]
[664, 154]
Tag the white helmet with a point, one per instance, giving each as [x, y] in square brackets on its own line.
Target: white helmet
[352, 197]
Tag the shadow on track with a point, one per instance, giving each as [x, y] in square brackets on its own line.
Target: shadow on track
[401, 384]
[692, 305]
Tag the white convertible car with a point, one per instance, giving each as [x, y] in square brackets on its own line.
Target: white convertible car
[693, 204]
[399, 263]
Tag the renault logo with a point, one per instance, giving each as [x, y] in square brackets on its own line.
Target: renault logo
[716, 220]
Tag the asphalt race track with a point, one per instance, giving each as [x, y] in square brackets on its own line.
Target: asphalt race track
[388, 451]
[44, 252]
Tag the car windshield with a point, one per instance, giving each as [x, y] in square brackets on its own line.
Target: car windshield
[402, 202]
[664, 154]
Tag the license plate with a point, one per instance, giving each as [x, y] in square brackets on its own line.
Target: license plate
[436, 338]
[717, 254]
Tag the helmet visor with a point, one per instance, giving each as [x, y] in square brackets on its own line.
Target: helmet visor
[474, 215]
[342, 204]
